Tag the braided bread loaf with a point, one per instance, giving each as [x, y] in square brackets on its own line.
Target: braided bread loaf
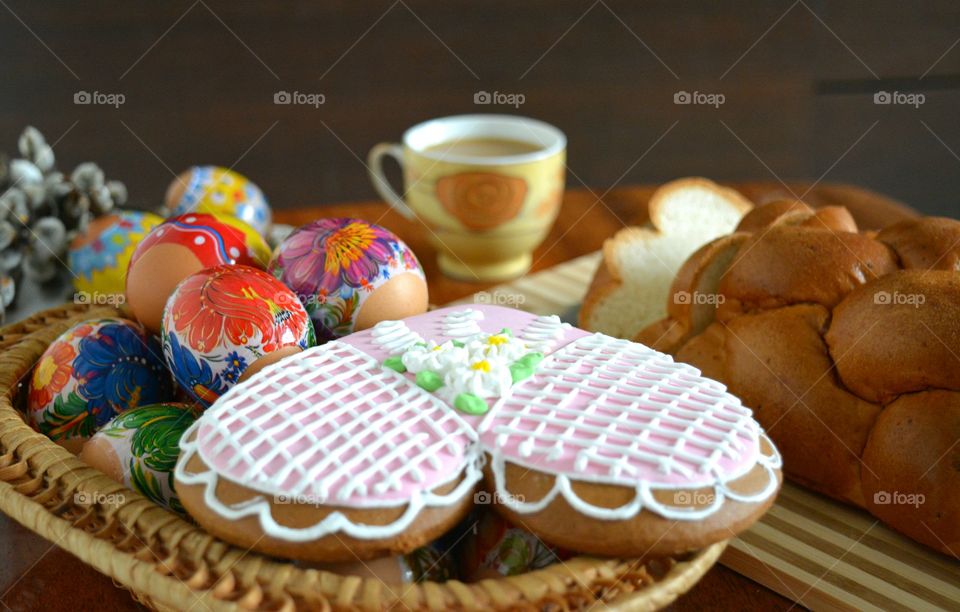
[847, 346]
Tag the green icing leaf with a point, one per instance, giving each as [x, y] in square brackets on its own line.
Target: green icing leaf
[470, 404]
[520, 371]
[523, 368]
[532, 359]
[506, 332]
[458, 344]
[395, 363]
[429, 381]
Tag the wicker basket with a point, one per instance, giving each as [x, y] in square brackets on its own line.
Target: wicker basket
[168, 563]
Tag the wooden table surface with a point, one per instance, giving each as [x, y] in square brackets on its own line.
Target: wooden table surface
[37, 573]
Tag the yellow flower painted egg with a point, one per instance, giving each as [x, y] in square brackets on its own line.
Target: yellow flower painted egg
[92, 372]
[99, 257]
[211, 189]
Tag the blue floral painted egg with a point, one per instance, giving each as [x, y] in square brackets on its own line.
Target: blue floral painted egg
[92, 372]
[139, 448]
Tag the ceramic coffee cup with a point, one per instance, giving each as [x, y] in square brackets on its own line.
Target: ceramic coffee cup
[487, 186]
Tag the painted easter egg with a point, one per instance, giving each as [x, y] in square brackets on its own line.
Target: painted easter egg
[179, 247]
[222, 320]
[92, 372]
[99, 257]
[211, 189]
[494, 548]
[139, 448]
[350, 275]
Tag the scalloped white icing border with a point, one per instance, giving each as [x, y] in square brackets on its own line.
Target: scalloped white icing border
[335, 522]
[644, 492]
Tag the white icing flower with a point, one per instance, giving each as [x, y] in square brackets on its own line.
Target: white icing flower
[483, 377]
[500, 346]
[480, 367]
[435, 357]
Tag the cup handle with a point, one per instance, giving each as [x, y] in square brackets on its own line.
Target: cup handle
[379, 179]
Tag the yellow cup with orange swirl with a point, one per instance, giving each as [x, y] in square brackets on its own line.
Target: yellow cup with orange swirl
[487, 187]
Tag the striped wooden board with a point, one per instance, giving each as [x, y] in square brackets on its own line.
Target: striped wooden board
[819, 553]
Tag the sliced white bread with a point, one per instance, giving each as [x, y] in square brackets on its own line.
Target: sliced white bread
[630, 289]
[694, 296]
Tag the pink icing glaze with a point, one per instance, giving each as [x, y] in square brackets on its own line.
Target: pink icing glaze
[356, 420]
[558, 417]
[315, 406]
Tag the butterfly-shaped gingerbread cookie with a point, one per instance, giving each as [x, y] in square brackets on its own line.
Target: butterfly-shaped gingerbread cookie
[376, 443]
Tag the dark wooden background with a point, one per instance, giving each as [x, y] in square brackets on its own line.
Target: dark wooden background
[199, 79]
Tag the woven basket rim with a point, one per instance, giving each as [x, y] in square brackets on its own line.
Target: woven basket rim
[169, 563]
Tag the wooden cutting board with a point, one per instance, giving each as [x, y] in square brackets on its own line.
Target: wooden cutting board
[817, 552]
